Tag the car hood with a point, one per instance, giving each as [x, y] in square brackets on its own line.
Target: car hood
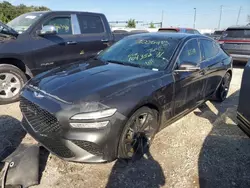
[74, 82]
[7, 30]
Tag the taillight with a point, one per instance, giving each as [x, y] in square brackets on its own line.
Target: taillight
[221, 41]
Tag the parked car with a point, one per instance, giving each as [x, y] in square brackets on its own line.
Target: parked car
[35, 42]
[179, 30]
[236, 41]
[243, 112]
[113, 105]
[217, 34]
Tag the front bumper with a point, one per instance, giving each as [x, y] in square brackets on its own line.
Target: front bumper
[47, 120]
[243, 123]
[240, 57]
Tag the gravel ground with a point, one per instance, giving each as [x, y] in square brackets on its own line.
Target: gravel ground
[203, 149]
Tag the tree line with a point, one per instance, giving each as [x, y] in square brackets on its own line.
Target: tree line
[8, 11]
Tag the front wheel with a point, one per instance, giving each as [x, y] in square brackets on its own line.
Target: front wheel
[12, 79]
[222, 92]
[138, 133]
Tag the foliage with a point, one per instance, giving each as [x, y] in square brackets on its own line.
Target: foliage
[151, 25]
[248, 19]
[131, 23]
[8, 11]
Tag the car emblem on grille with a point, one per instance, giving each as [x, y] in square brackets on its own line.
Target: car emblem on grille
[38, 95]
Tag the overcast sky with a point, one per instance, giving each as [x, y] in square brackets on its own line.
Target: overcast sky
[176, 12]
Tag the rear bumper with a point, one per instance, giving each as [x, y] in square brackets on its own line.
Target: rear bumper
[243, 123]
[240, 57]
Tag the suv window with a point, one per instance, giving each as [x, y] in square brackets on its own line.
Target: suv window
[62, 24]
[190, 53]
[209, 49]
[237, 33]
[90, 24]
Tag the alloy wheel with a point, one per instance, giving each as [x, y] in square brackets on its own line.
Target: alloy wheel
[139, 135]
[10, 85]
[225, 86]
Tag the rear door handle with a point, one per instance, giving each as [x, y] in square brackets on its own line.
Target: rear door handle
[105, 40]
[71, 43]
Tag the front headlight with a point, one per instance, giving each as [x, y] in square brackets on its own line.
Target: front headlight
[94, 115]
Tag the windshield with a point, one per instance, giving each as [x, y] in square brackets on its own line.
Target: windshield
[147, 51]
[23, 22]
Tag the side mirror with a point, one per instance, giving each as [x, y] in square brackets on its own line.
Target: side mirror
[47, 30]
[188, 67]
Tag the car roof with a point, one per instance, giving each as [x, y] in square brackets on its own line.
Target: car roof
[239, 27]
[177, 28]
[65, 12]
[170, 35]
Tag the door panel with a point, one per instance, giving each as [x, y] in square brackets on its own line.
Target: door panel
[93, 37]
[189, 86]
[49, 51]
[212, 63]
[189, 90]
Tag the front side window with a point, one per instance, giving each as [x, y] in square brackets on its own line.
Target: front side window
[190, 53]
[210, 49]
[62, 24]
[90, 24]
[146, 52]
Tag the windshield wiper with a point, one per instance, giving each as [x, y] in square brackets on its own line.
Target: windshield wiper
[123, 63]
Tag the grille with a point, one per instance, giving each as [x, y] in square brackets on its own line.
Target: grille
[54, 145]
[89, 147]
[41, 121]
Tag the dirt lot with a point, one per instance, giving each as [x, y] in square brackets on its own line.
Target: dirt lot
[203, 149]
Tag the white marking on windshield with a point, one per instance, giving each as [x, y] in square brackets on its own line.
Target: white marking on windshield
[155, 69]
[30, 17]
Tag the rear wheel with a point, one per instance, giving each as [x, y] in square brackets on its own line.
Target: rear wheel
[223, 89]
[12, 80]
[138, 134]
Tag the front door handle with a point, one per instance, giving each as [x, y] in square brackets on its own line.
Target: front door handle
[105, 40]
[71, 43]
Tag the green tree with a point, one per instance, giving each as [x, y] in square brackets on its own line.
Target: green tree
[248, 19]
[131, 23]
[8, 11]
[151, 25]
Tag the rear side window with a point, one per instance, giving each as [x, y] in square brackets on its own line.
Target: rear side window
[209, 49]
[237, 33]
[90, 24]
[190, 53]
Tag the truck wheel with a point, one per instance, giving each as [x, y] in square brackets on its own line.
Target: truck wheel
[138, 134]
[12, 79]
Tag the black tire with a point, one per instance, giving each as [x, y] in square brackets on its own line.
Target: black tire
[18, 76]
[222, 91]
[131, 141]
